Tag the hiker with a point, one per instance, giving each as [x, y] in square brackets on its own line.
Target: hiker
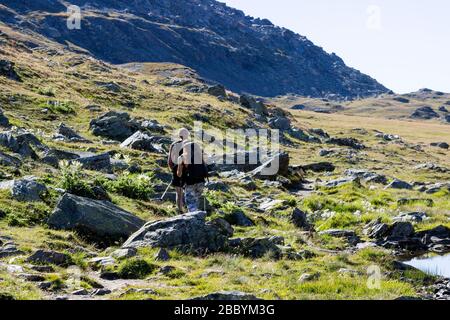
[176, 150]
[193, 171]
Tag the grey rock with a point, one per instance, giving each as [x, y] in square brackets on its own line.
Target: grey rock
[399, 184]
[54, 156]
[401, 230]
[346, 142]
[217, 186]
[9, 161]
[49, 257]
[189, 232]
[114, 125]
[228, 296]
[124, 253]
[299, 219]
[101, 162]
[217, 91]
[239, 218]
[250, 103]
[442, 145]
[22, 143]
[100, 221]
[66, 133]
[424, 113]
[366, 175]
[350, 235]
[4, 121]
[8, 70]
[142, 141]
[339, 182]
[26, 189]
[319, 167]
[276, 165]
[376, 229]
[162, 255]
[257, 247]
[281, 123]
[9, 249]
[411, 217]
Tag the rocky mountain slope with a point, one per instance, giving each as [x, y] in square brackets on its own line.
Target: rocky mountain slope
[83, 148]
[222, 44]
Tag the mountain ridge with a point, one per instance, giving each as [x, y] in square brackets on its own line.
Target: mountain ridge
[246, 54]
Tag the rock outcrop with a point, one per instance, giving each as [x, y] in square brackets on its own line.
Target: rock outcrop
[189, 232]
[99, 221]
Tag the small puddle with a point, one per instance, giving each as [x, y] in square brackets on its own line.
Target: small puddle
[432, 264]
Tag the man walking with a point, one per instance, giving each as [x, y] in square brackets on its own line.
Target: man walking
[193, 172]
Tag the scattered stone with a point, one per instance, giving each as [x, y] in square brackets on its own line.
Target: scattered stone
[144, 142]
[366, 175]
[250, 103]
[100, 221]
[425, 113]
[277, 165]
[80, 292]
[411, 217]
[401, 99]
[350, 235]
[101, 262]
[339, 182]
[228, 296]
[8, 70]
[26, 189]
[101, 162]
[399, 184]
[189, 232]
[300, 220]
[281, 123]
[346, 142]
[442, 145]
[319, 167]
[49, 257]
[114, 125]
[257, 247]
[31, 277]
[217, 186]
[65, 133]
[9, 249]
[443, 109]
[22, 143]
[4, 121]
[124, 253]
[217, 91]
[432, 167]
[238, 218]
[162, 255]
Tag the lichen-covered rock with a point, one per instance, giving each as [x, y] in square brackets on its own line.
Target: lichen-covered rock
[25, 189]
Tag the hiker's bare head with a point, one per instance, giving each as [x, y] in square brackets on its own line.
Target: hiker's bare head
[184, 134]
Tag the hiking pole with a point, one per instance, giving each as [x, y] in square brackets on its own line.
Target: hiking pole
[167, 189]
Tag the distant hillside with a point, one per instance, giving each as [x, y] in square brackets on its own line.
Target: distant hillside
[222, 44]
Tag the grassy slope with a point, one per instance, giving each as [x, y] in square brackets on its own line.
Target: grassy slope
[70, 79]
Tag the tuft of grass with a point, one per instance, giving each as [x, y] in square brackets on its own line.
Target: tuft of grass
[135, 269]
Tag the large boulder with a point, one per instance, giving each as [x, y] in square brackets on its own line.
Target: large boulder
[26, 189]
[114, 125]
[49, 257]
[99, 221]
[189, 232]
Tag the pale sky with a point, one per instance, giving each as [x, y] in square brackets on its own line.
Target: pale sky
[403, 44]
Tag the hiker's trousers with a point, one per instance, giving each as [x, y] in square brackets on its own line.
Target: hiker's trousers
[193, 195]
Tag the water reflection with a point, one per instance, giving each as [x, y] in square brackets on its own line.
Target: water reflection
[433, 265]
